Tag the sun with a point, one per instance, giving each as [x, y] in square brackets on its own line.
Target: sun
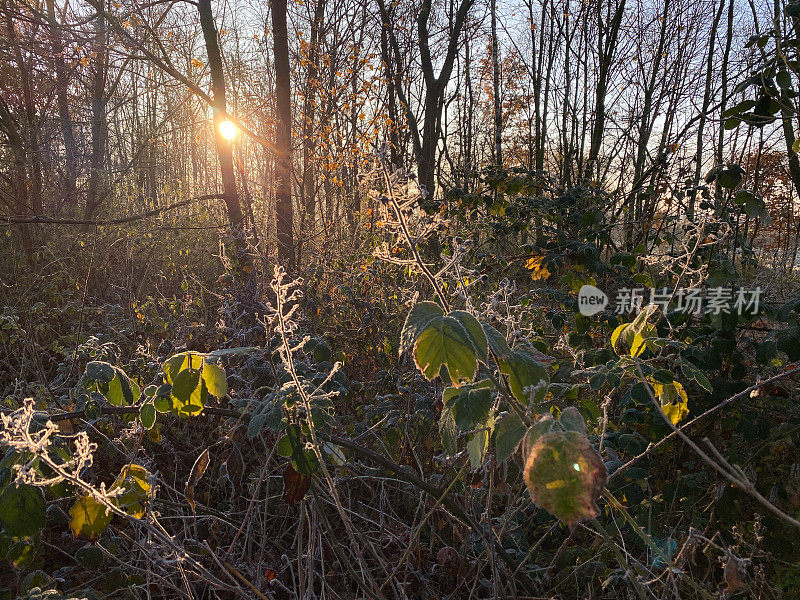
[227, 129]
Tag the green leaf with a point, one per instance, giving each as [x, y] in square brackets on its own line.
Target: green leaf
[172, 367]
[497, 342]
[196, 402]
[90, 557]
[418, 319]
[447, 431]
[510, 430]
[179, 362]
[446, 342]
[571, 420]
[267, 414]
[162, 404]
[543, 425]
[478, 444]
[214, 377]
[619, 332]
[121, 390]
[691, 372]
[475, 331]
[766, 351]
[470, 404]
[135, 482]
[565, 475]
[22, 509]
[524, 372]
[788, 341]
[100, 371]
[89, 518]
[147, 414]
[185, 383]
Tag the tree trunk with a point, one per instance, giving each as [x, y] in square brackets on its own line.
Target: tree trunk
[498, 114]
[283, 137]
[20, 205]
[607, 44]
[309, 114]
[224, 147]
[99, 125]
[62, 100]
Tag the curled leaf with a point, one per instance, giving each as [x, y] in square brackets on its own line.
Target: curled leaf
[198, 468]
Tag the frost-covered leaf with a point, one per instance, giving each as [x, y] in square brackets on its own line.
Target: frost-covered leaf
[418, 319]
[692, 372]
[267, 414]
[497, 342]
[510, 430]
[100, 371]
[447, 430]
[543, 425]
[147, 414]
[571, 420]
[524, 373]
[470, 404]
[475, 331]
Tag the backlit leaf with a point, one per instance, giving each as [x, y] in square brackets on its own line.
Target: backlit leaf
[446, 342]
[214, 377]
[565, 475]
[418, 319]
[89, 518]
[524, 374]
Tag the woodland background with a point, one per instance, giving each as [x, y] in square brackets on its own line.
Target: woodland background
[231, 332]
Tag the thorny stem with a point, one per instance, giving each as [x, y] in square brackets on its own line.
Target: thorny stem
[283, 329]
[732, 475]
[39, 449]
[412, 246]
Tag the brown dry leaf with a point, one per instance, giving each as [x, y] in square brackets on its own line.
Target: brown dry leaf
[232, 465]
[449, 560]
[732, 576]
[295, 485]
[198, 468]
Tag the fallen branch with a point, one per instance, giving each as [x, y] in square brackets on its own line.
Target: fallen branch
[120, 221]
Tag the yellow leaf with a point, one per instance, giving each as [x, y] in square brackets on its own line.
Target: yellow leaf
[673, 399]
[537, 269]
[89, 518]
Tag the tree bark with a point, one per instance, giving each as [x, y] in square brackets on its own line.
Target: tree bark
[283, 137]
[498, 113]
[224, 147]
[99, 125]
[62, 100]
